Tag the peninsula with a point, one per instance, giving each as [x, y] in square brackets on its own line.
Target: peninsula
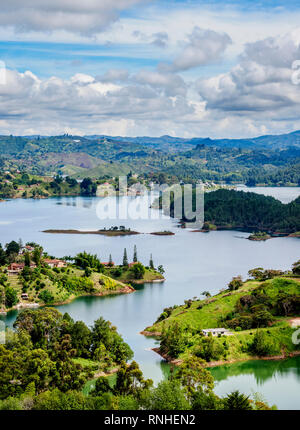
[247, 320]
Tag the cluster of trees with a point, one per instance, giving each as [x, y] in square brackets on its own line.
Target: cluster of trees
[245, 211]
[39, 371]
[40, 354]
[85, 260]
[263, 304]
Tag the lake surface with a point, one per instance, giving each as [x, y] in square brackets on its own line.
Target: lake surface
[194, 262]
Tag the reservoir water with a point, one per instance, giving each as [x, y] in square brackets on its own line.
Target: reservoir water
[193, 263]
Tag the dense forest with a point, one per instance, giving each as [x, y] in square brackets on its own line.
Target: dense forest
[51, 362]
[229, 209]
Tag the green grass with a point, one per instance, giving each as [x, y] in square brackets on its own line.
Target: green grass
[209, 316]
[214, 309]
[103, 284]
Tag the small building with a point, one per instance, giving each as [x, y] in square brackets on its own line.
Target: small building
[24, 296]
[15, 268]
[55, 263]
[131, 264]
[26, 248]
[216, 331]
[108, 263]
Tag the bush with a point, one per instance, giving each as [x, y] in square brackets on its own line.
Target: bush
[11, 297]
[46, 296]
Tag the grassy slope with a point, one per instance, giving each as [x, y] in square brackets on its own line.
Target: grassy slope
[111, 286]
[209, 316]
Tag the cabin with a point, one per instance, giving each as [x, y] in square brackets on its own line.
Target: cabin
[216, 331]
[16, 268]
[55, 263]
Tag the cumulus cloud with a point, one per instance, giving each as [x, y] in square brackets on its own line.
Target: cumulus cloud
[203, 47]
[84, 103]
[260, 86]
[76, 16]
[169, 83]
[159, 39]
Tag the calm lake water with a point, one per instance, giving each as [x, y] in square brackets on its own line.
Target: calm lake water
[194, 262]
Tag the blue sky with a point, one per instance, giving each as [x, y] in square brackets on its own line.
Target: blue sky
[188, 68]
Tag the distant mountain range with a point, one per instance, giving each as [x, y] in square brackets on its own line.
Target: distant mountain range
[166, 142]
[271, 160]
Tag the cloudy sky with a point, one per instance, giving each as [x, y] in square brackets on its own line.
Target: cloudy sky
[150, 67]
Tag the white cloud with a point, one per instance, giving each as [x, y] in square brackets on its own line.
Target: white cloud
[76, 16]
[260, 86]
[84, 103]
[203, 47]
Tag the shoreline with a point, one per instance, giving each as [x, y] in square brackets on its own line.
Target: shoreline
[127, 289]
[101, 232]
[177, 361]
[240, 229]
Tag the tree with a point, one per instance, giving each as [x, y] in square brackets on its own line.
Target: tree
[37, 255]
[194, 377]
[138, 270]
[151, 264]
[135, 259]
[237, 401]
[87, 272]
[206, 294]
[172, 340]
[27, 259]
[12, 248]
[125, 259]
[87, 187]
[161, 270]
[130, 380]
[296, 268]
[3, 259]
[256, 273]
[110, 261]
[46, 296]
[168, 395]
[235, 283]
[101, 387]
[81, 339]
[11, 297]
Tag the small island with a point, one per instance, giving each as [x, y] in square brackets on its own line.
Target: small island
[112, 231]
[163, 233]
[259, 236]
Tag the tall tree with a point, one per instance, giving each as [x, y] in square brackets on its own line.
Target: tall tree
[151, 264]
[135, 259]
[27, 259]
[125, 259]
